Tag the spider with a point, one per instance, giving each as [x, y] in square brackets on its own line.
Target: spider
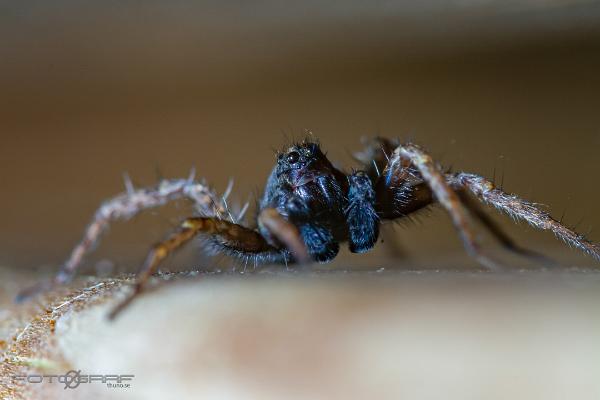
[309, 207]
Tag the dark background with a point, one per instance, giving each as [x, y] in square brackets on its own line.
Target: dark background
[89, 90]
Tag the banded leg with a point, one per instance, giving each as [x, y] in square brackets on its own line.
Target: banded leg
[229, 235]
[442, 192]
[521, 209]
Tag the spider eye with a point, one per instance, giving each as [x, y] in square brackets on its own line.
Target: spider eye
[293, 157]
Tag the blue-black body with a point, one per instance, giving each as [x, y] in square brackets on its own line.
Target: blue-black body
[327, 206]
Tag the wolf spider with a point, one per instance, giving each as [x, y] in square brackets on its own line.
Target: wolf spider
[309, 207]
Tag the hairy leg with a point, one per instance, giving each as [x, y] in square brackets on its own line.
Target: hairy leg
[375, 155]
[125, 206]
[521, 209]
[430, 173]
[495, 230]
[228, 235]
[361, 217]
[320, 242]
[399, 187]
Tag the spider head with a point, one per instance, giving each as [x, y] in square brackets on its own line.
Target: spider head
[302, 163]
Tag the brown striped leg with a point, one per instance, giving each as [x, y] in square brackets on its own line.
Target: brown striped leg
[444, 194]
[521, 209]
[230, 235]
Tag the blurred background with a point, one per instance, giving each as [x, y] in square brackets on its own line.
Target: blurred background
[92, 89]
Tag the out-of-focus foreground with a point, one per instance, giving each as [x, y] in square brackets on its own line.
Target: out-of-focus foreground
[319, 336]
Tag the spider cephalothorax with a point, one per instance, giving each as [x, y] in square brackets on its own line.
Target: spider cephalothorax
[309, 207]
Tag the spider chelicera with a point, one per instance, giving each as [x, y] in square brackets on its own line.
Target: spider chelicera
[309, 207]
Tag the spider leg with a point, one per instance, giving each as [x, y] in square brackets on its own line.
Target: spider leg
[496, 231]
[410, 155]
[125, 206]
[244, 241]
[286, 232]
[521, 209]
[375, 155]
